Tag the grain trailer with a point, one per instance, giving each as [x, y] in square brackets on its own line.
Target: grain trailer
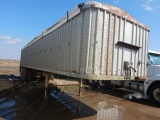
[94, 41]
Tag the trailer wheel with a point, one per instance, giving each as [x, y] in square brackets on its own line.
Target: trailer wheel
[155, 94]
[23, 74]
[29, 75]
[104, 84]
[92, 82]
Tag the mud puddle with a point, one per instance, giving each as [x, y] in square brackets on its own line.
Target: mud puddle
[7, 109]
[12, 77]
[26, 102]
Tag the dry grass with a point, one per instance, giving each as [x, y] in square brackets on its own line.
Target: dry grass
[4, 63]
[9, 66]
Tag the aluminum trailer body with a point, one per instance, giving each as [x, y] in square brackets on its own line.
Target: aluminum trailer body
[94, 41]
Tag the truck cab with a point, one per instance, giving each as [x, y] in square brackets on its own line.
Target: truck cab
[151, 87]
[153, 64]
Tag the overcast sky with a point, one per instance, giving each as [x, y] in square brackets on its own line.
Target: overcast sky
[22, 20]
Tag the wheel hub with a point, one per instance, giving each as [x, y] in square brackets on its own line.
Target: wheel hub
[101, 83]
[91, 81]
[156, 94]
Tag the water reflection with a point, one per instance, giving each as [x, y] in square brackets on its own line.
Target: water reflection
[13, 77]
[7, 108]
[28, 104]
[109, 112]
[72, 104]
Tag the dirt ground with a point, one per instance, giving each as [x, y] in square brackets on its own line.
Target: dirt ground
[25, 101]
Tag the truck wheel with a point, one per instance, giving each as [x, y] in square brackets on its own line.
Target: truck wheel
[104, 84]
[92, 82]
[155, 94]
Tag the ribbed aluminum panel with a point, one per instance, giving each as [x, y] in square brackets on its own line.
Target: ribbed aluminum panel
[58, 50]
[86, 46]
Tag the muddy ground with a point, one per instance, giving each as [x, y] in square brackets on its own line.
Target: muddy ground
[25, 101]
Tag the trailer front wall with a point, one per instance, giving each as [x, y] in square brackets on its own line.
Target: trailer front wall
[105, 57]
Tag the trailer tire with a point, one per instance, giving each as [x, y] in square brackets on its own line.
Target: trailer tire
[23, 74]
[29, 75]
[104, 84]
[92, 82]
[155, 93]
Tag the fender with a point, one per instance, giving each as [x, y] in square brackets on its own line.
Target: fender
[151, 81]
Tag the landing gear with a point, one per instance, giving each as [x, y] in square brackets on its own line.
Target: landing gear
[46, 87]
[48, 77]
[80, 87]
